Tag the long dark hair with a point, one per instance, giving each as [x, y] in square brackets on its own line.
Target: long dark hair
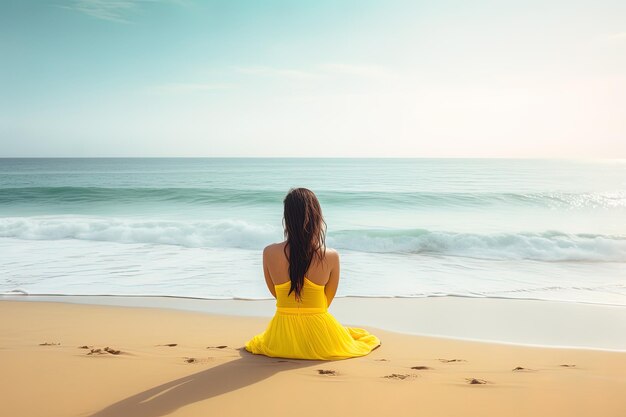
[305, 232]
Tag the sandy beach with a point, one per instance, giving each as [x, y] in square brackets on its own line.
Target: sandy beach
[62, 359]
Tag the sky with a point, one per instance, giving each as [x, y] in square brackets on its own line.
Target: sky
[324, 78]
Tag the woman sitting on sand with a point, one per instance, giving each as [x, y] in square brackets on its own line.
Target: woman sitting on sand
[302, 274]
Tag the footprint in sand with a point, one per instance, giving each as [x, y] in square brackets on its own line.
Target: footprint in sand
[196, 360]
[382, 360]
[84, 347]
[399, 376]
[568, 365]
[49, 344]
[476, 381]
[421, 368]
[169, 344]
[103, 351]
[326, 372]
[451, 360]
[521, 368]
[217, 347]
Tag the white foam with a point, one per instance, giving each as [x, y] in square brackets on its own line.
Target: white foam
[549, 246]
[224, 233]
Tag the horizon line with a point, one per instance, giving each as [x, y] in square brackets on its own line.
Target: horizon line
[323, 157]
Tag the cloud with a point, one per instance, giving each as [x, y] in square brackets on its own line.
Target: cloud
[277, 72]
[111, 10]
[319, 71]
[369, 71]
[182, 88]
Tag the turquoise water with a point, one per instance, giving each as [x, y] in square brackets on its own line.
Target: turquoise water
[543, 229]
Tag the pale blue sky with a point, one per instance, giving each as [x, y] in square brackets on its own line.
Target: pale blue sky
[313, 78]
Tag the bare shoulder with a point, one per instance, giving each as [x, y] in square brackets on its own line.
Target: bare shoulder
[332, 255]
[273, 248]
[331, 252]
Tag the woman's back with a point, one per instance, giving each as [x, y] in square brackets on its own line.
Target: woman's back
[323, 274]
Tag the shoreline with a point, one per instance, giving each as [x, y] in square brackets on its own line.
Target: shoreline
[19, 293]
[517, 322]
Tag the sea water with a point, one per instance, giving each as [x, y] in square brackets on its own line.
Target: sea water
[195, 227]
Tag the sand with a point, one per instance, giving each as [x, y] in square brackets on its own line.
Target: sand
[192, 364]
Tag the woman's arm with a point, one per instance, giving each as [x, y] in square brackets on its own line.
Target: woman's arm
[333, 282]
[266, 272]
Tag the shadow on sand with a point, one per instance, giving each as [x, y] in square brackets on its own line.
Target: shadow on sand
[167, 398]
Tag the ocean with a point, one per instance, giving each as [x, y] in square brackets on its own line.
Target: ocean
[195, 227]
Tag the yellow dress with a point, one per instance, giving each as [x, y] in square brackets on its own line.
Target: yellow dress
[306, 330]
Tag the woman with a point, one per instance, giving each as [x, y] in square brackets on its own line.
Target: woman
[302, 274]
